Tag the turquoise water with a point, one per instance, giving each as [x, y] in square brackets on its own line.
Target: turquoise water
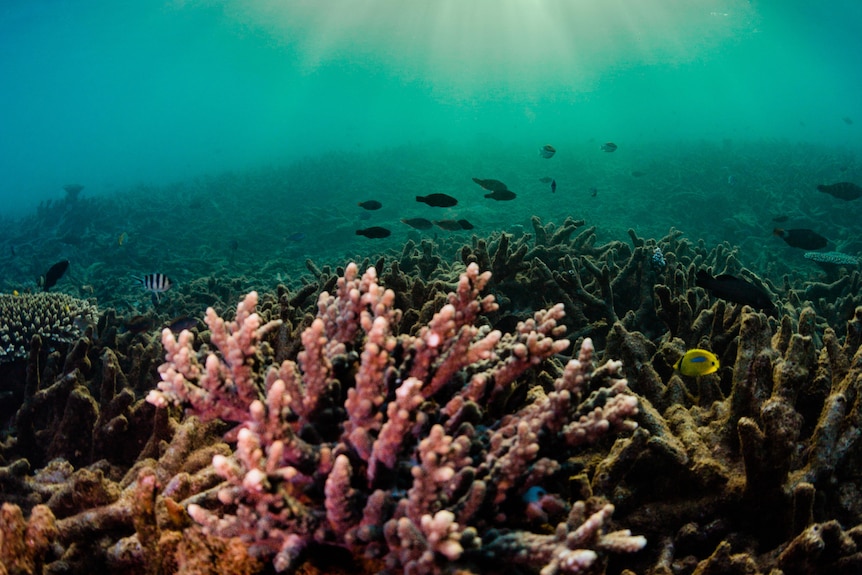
[205, 122]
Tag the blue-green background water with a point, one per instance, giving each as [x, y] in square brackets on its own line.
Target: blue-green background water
[198, 123]
[112, 94]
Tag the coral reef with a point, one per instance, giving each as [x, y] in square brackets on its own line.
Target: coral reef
[429, 420]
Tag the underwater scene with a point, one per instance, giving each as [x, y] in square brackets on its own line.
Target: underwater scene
[478, 286]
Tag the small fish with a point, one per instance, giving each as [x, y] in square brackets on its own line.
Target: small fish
[438, 200]
[553, 186]
[181, 323]
[594, 192]
[122, 239]
[731, 180]
[72, 191]
[697, 362]
[734, 289]
[609, 147]
[545, 179]
[547, 151]
[491, 185]
[450, 225]
[418, 223]
[54, 273]
[501, 195]
[374, 232]
[234, 245]
[847, 120]
[296, 237]
[780, 219]
[465, 225]
[801, 238]
[637, 173]
[155, 283]
[370, 205]
[846, 191]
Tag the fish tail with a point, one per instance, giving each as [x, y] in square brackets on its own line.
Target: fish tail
[778, 232]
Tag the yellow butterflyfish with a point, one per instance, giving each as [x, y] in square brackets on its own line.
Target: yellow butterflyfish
[697, 362]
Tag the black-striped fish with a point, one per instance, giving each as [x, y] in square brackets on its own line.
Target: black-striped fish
[156, 283]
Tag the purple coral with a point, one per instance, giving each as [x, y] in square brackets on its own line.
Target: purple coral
[281, 492]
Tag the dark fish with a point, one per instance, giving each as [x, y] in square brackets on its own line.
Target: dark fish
[156, 283]
[55, 272]
[438, 200]
[374, 232]
[802, 238]
[594, 192]
[138, 324]
[609, 147]
[451, 225]
[370, 205]
[734, 289]
[234, 245]
[182, 322]
[553, 186]
[296, 237]
[780, 219]
[465, 225]
[847, 120]
[492, 185]
[72, 191]
[547, 151]
[501, 195]
[842, 190]
[545, 179]
[731, 180]
[418, 223]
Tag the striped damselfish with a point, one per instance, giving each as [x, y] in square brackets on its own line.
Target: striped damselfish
[156, 283]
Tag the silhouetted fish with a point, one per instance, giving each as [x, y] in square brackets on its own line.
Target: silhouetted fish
[734, 289]
[54, 273]
[842, 190]
[553, 186]
[418, 223]
[370, 205]
[465, 225]
[501, 195]
[802, 238]
[438, 200]
[547, 151]
[296, 237]
[374, 232]
[492, 185]
[451, 225]
[609, 147]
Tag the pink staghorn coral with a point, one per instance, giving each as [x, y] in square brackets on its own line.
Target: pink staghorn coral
[285, 489]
